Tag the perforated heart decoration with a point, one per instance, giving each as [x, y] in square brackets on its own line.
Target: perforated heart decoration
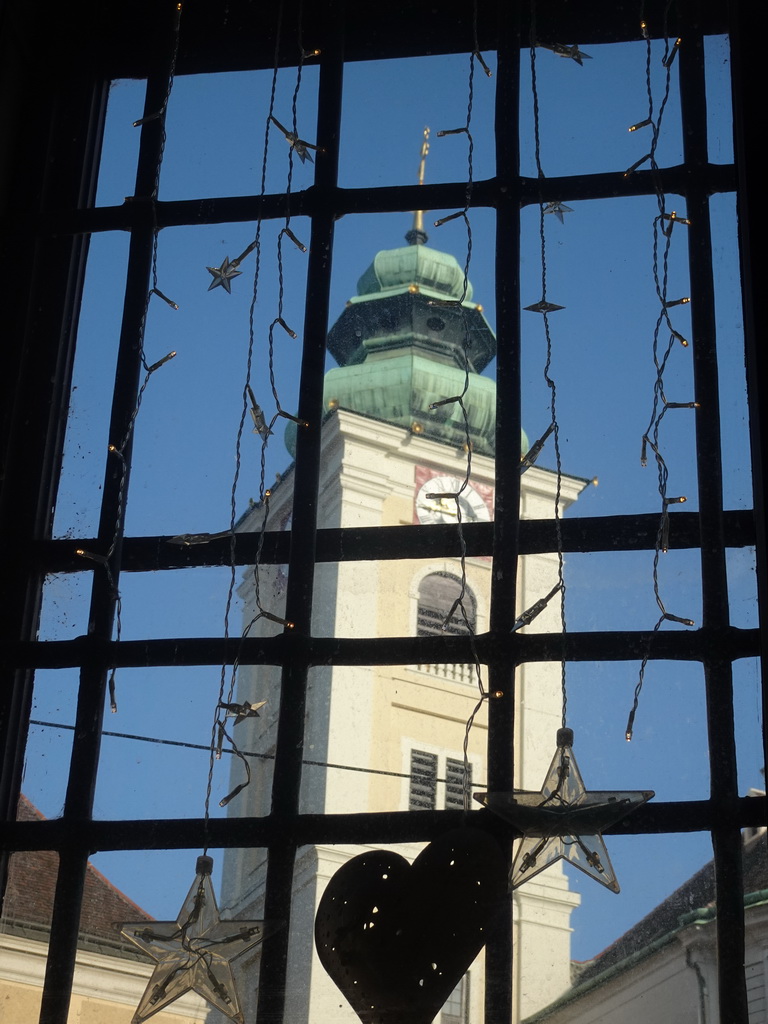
[398, 937]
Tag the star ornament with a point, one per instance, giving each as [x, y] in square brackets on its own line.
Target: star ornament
[222, 276]
[564, 821]
[194, 952]
[242, 711]
[543, 307]
[558, 209]
[573, 52]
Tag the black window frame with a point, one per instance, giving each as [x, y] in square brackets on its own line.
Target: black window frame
[53, 120]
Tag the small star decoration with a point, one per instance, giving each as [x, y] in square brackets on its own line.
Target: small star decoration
[300, 146]
[194, 952]
[558, 209]
[222, 276]
[567, 51]
[242, 711]
[563, 821]
[543, 307]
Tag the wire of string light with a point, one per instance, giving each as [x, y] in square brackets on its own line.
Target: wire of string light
[458, 606]
[663, 226]
[261, 427]
[545, 307]
[118, 449]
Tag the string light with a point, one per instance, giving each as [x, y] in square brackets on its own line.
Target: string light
[262, 427]
[458, 607]
[563, 820]
[438, 224]
[160, 295]
[119, 449]
[674, 219]
[527, 617]
[668, 60]
[527, 460]
[636, 164]
[663, 226]
[479, 58]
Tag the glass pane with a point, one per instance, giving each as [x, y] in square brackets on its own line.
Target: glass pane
[120, 148]
[381, 137]
[49, 743]
[216, 126]
[599, 100]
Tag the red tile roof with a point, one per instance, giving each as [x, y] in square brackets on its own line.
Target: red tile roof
[32, 885]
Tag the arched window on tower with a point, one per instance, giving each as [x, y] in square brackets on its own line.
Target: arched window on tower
[437, 595]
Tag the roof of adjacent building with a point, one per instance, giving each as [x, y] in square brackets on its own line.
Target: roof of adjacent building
[691, 902]
[30, 892]
[696, 894]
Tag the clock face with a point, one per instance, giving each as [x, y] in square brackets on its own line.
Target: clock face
[435, 504]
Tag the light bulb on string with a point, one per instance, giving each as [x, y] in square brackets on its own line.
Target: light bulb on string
[674, 219]
[636, 165]
[479, 58]
[669, 59]
[161, 295]
[527, 460]
[527, 617]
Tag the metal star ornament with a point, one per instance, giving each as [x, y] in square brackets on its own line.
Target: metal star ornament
[543, 307]
[573, 52]
[194, 952]
[558, 209]
[242, 711]
[300, 146]
[222, 276]
[564, 821]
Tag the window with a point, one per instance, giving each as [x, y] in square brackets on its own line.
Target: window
[54, 120]
[423, 789]
[454, 783]
[437, 594]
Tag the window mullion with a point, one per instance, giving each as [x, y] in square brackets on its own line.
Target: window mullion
[506, 525]
[289, 750]
[718, 674]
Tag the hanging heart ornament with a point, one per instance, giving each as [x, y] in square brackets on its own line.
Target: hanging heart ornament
[397, 937]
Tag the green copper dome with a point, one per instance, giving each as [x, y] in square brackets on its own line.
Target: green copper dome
[407, 340]
[431, 271]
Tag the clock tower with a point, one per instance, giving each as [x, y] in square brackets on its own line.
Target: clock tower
[385, 738]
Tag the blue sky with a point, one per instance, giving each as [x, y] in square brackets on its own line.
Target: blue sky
[599, 270]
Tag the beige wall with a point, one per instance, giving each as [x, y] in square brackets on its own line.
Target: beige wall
[106, 989]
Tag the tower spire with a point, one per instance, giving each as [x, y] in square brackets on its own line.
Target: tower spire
[417, 235]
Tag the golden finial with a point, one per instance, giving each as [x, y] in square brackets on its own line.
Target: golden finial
[417, 235]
